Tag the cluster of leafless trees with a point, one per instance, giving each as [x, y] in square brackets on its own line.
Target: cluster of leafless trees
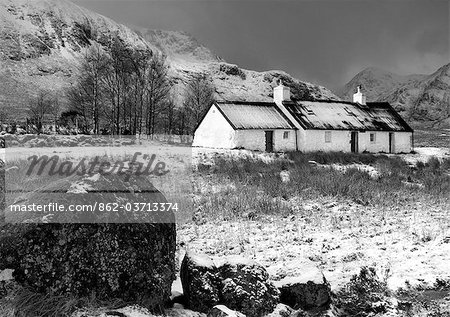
[46, 104]
[127, 91]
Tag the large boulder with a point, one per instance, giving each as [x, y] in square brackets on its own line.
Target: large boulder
[199, 277]
[245, 287]
[134, 262]
[239, 283]
[112, 253]
[308, 291]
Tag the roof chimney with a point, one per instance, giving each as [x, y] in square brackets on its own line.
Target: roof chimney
[359, 97]
[281, 93]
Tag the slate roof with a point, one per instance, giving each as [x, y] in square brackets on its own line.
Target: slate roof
[342, 115]
[253, 115]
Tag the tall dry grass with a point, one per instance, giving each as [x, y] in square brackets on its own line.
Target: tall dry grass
[258, 188]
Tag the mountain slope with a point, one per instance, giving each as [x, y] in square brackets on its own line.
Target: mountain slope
[178, 45]
[422, 99]
[43, 41]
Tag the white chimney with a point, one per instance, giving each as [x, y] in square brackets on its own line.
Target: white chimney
[281, 93]
[359, 97]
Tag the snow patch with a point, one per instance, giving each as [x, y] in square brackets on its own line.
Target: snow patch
[79, 188]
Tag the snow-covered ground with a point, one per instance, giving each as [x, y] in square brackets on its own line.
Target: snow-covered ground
[408, 244]
[425, 153]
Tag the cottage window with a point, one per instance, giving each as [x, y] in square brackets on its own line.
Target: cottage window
[286, 135]
[327, 136]
[373, 138]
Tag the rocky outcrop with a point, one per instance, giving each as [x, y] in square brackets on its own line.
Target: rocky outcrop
[232, 70]
[238, 283]
[306, 292]
[199, 278]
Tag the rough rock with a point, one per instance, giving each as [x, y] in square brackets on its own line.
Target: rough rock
[199, 277]
[131, 257]
[239, 283]
[223, 311]
[281, 310]
[299, 313]
[232, 70]
[245, 287]
[308, 291]
[285, 176]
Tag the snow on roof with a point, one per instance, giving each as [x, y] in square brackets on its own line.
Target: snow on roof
[342, 115]
[254, 115]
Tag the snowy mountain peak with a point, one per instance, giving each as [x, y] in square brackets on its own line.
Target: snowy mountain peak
[43, 41]
[178, 45]
[423, 99]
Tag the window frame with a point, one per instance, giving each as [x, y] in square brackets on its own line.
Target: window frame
[374, 134]
[285, 135]
[328, 137]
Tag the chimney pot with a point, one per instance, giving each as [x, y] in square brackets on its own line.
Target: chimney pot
[359, 97]
[281, 93]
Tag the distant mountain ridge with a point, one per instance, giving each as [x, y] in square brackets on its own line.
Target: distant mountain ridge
[43, 41]
[422, 99]
[178, 45]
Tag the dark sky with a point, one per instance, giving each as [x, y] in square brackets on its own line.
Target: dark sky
[323, 41]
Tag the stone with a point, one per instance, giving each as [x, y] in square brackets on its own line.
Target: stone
[285, 176]
[245, 287]
[309, 291]
[223, 311]
[130, 258]
[299, 313]
[199, 277]
[238, 283]
[281, 310]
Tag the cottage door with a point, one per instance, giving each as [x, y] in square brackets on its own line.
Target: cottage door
[269, 141]
[354, 142]
[391, 143]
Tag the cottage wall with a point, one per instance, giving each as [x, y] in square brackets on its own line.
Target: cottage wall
[215, 131]
[251, 139]
[315, 140]
[256, 140]
[404, 142]
[282, 144]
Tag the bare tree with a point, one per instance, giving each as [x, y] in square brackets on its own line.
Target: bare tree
[116, 82]
[199, 97]
[125, 89]
[92, 71]
[40, 106]
[4, 116]
[168, 114]
[55, 111]
[158, 91]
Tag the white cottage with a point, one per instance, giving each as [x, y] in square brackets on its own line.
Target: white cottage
[296, 125]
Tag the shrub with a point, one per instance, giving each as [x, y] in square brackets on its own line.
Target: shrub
[364, 295]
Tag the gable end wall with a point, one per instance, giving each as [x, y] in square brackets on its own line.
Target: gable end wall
[214, 131]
